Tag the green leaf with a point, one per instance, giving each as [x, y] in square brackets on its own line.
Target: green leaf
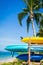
[41, 23]
[41, 3]
[37, 34]
[21, 17]
[40, 34]
[38, 4]
[26, 10]
[37, 17]
[27, 3]
[28, 23]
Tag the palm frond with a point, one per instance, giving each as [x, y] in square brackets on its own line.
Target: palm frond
[37, 34]
[36, 7]
[40, 34]
[38, 4]
[41, 3]
[21, 16]
[27, 3]
[28, 23]
[30, 2]
[37, 17]
[41, 23]
[26, 10]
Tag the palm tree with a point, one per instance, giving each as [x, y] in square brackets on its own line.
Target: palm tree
[40, 33]
[30, 12]
[32, 6]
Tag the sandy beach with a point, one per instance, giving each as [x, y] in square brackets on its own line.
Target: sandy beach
[15, 60]
[7, 60]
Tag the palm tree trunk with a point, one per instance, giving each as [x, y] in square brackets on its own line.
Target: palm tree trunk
[30, 41]
[34, 32]
[29, 54]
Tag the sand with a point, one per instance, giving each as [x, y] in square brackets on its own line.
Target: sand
[15, 60]
[8, 60]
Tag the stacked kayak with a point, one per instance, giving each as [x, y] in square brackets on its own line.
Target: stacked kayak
[24, 48]
[33, 57]
[17, 48]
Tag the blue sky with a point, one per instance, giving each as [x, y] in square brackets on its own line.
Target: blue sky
[10, 30]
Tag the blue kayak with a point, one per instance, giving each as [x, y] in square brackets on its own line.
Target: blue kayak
[24, 48]
[33, 57]
[17, 48]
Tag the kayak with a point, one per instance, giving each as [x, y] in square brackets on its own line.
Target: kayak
[33, 57]
[24, 48]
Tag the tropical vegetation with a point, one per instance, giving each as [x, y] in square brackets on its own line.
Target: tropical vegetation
[13, 63]
[31, 11]
[40, 33]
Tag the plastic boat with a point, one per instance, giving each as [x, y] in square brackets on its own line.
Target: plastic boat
[24, 48]
[33, 57]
